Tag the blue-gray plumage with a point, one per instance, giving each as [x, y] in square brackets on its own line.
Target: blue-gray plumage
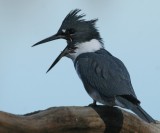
[101, 70]
[104, 76]
[107, 81]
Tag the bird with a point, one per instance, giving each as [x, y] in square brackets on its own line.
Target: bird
[104, 76]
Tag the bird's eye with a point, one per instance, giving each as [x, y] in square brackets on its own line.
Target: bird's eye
[71, 31]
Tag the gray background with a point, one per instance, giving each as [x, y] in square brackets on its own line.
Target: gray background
[130, 30]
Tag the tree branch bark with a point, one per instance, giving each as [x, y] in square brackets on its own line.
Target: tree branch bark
[99, 119]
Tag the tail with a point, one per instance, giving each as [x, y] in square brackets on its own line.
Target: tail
[143, 114]
[133, 104]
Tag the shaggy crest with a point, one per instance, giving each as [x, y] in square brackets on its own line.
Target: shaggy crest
[74, 19]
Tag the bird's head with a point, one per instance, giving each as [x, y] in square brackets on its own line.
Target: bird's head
[77, 32]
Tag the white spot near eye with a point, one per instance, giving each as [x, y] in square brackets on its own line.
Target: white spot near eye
[63, 30]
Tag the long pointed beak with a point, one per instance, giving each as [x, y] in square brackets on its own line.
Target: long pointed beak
[51, 38]
[63, 53]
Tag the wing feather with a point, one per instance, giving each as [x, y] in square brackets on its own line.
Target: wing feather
[105, 73]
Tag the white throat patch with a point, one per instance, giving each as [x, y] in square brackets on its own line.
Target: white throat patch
[86, 47]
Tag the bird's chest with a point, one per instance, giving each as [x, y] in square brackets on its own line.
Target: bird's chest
[78, 69]
[86, 77]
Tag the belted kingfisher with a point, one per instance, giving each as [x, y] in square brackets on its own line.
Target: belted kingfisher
[104, 76]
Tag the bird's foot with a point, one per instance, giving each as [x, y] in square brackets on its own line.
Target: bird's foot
[93, 104]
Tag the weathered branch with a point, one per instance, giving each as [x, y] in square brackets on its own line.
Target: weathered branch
[76, 120]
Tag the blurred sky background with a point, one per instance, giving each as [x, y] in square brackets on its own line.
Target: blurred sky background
[131, 32]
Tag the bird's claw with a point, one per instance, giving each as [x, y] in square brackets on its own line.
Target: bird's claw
[93, 104]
